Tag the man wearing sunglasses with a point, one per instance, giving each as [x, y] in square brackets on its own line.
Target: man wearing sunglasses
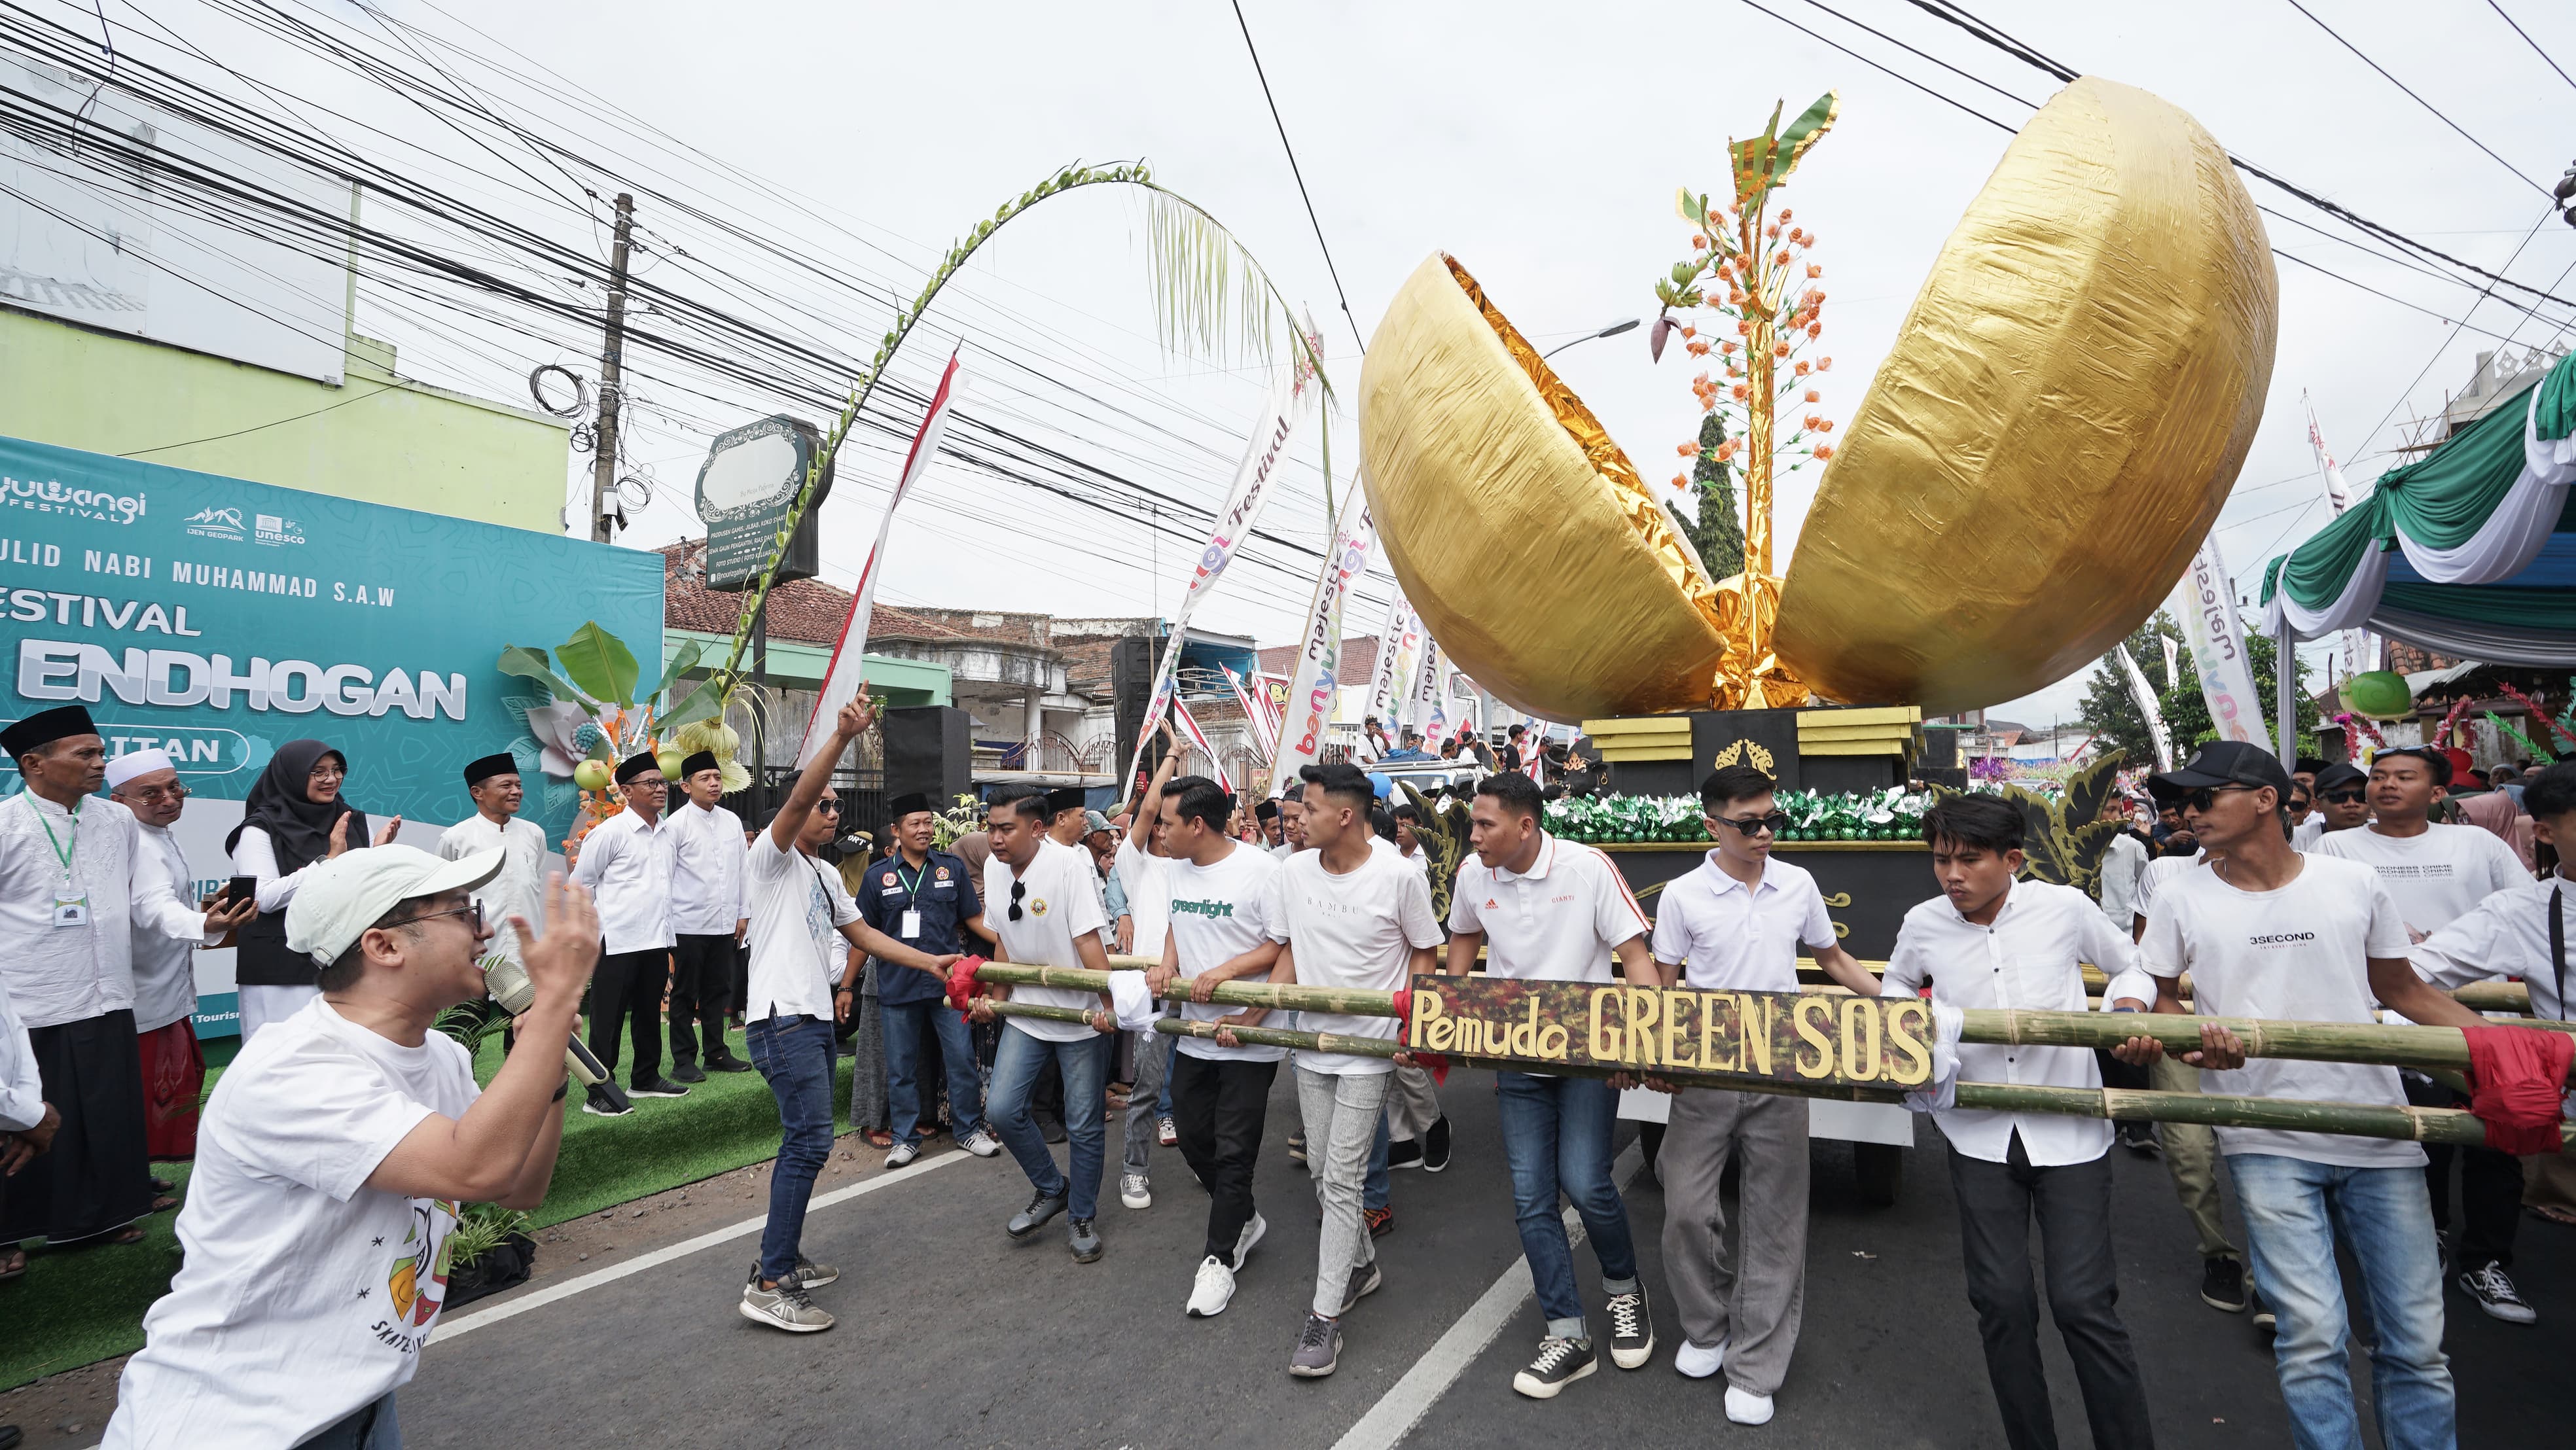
[2343, 801]
[334, 1154]
[1736, 924]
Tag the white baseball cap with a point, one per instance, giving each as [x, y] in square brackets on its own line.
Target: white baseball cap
[347, 894]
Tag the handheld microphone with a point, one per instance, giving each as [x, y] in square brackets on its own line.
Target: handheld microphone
[510, 989]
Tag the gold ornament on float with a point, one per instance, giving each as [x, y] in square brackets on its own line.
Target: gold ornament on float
[2057, 425]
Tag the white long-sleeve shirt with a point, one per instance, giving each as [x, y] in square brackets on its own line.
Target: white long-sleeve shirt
[168, 928]
[2123, 862]
[707, 889]
[627, 866]
[2032, 956]
[22, 1093]
[254, 855]
[520, 887]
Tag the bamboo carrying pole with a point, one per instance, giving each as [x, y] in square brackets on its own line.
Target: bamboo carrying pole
[2222, 1110]
[2477, 996]
[2385, 1044]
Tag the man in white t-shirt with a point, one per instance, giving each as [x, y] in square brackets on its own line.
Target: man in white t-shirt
[1144, 874]
[1353, 918]
[1735, 924]
[1553, 910]
[1221, 919]
[2438, 874]
[2268, 932]
[796, 906]
[333, 1156]
[1043, 900]
[1991, 942]
[2342, 804]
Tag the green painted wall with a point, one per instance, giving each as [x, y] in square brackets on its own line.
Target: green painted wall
[375, 437]
[800, 667]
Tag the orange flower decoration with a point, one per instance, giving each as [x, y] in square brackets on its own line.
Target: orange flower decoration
[1825, 365]
[1698, 349]
[1679, 480]
[1740, 392]
[1779, 349]
[1814, 397]
[1827, 426]
[1690, 332]
[1815, 329]
[1698, 241]
[1785, 213]
[1687, 449]
[1815, 269]
[1802, 367]
[1822, 451]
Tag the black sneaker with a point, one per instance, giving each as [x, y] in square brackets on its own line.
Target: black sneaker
[1435, 1145]
[2140, 1138]
[1407, 1154]
[1083, 1240]
[687, 1072]
[2495, 1294]
[1034, 1217]
[1051, 1129]
[660, 1087]
[2222, 1284]
[727, 1063]
[1560, 1362]
[1632, 1330]
[603, 1100]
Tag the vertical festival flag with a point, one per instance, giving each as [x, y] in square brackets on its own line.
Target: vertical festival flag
[2217, 642]
[1189, 724]
[848, 671]
[1316, 681]
[2146, 700]
[1265, 736]
[1384, 681]
[2173, 668]
[1292, 396]
[1270, 692]
[1421, 713]
[2356, 642]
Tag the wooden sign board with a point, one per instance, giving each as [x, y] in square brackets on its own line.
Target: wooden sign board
[1705, 1037]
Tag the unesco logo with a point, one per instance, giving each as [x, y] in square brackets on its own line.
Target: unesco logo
[271, 529]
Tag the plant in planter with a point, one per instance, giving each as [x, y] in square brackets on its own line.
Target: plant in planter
[490, 1250]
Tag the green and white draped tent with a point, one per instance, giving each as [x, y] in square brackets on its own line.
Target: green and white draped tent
[2469, 551]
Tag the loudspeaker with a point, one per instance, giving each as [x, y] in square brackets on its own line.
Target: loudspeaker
[1132, 662]
[930, 748]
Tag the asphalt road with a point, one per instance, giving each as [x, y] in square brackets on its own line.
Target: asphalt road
[951, 1335]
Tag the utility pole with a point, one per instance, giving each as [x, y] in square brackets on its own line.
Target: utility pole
[612, 356]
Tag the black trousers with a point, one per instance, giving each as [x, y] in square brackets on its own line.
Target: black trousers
[2490, 1187]
[701, 993]
[97, 1177]
[1218, 1107]
[626, 991]
[2072, 1203]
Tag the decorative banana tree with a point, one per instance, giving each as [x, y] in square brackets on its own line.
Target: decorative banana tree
[596, 716]
[1205, 285]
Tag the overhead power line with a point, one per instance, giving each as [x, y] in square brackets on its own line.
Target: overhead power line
[1296, 172]
[2417, 99]
[2527, 40]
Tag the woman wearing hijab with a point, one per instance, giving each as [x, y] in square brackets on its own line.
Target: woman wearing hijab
[293, 818]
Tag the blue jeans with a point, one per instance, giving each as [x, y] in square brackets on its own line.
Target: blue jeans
[903, 1023]
[1163, 1099]
[1556, 1134]
[796, 1055]
[1015, 1071]
[2294, 1212]
[1373, 1188]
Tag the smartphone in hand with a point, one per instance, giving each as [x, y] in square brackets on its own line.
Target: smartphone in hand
[241, 888]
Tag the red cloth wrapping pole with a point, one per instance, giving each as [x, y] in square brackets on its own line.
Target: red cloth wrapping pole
[962, 983]
[1437, 1065]
[2517, 1076]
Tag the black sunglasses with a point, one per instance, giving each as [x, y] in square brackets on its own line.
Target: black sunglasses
[2203, 797]
[2352, 797]
[1018, 890]
[1775, 822]
[829, 808]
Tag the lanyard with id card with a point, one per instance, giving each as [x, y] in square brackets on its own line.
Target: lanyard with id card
[910, 926]
[71, 904]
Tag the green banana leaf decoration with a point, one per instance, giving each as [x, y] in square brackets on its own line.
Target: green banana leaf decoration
[2065, 839]
[1443, 832]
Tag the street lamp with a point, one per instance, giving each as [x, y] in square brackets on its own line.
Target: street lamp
[1613, 330]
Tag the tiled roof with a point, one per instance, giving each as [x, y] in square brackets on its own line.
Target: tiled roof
[890, 622]
[807, 611]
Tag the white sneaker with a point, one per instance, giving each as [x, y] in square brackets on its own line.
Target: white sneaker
[981, 1143]
[1135, 1191]
[901, 1154]
[1697, 1363]
[1251, 1235]
[1746, 1408]
[1213, 1290]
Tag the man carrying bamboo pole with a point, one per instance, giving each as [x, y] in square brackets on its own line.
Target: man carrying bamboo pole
[1222, 915]
[2518, 932]
[2267, 932]
[1735, 924]
[1144, 875]
[1554, 910]
[1989, 941]
[1353, 918]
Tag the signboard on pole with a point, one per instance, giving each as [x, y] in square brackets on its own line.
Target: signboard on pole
[745, 489]
[1804, 1037]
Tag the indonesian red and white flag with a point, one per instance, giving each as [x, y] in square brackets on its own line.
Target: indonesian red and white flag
[1190, 727]
[841, 682]
[1265, 735]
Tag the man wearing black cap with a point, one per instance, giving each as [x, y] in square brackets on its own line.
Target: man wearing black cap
[926, 899]
[67, 913]
[708, 919]
[519, 889]
[2266, 931]
[625, 863]
[2343, 801]
[1065, 824]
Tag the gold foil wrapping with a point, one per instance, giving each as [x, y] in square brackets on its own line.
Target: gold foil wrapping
[2062, 415]
[1522, 535]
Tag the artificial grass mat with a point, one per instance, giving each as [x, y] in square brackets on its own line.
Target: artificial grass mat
[85, 1305]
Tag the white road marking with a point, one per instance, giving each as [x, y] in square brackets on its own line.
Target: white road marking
[1410, 1398]
[749, 1227]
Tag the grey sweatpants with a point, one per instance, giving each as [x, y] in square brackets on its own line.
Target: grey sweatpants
[1412, 1105]
[2191, 1156]
[1153, 1059]
[1341, 1114]
[1752, 1307]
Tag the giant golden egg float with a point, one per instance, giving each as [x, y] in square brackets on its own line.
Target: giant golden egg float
[2048, 440]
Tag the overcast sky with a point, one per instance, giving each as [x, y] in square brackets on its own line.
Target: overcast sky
[1541, 145]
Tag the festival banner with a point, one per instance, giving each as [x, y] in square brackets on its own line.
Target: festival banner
[1422, 710]
[848, 668]
[1395, 635]
[1189, 724]
[2218, 648]
[1292, 397]
[217, 619]
[1256, 719]
[1804, 1037]
[1270, 692]
[1317, 680]
[2173, 665]
[2146, 700]
[2356, 642]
